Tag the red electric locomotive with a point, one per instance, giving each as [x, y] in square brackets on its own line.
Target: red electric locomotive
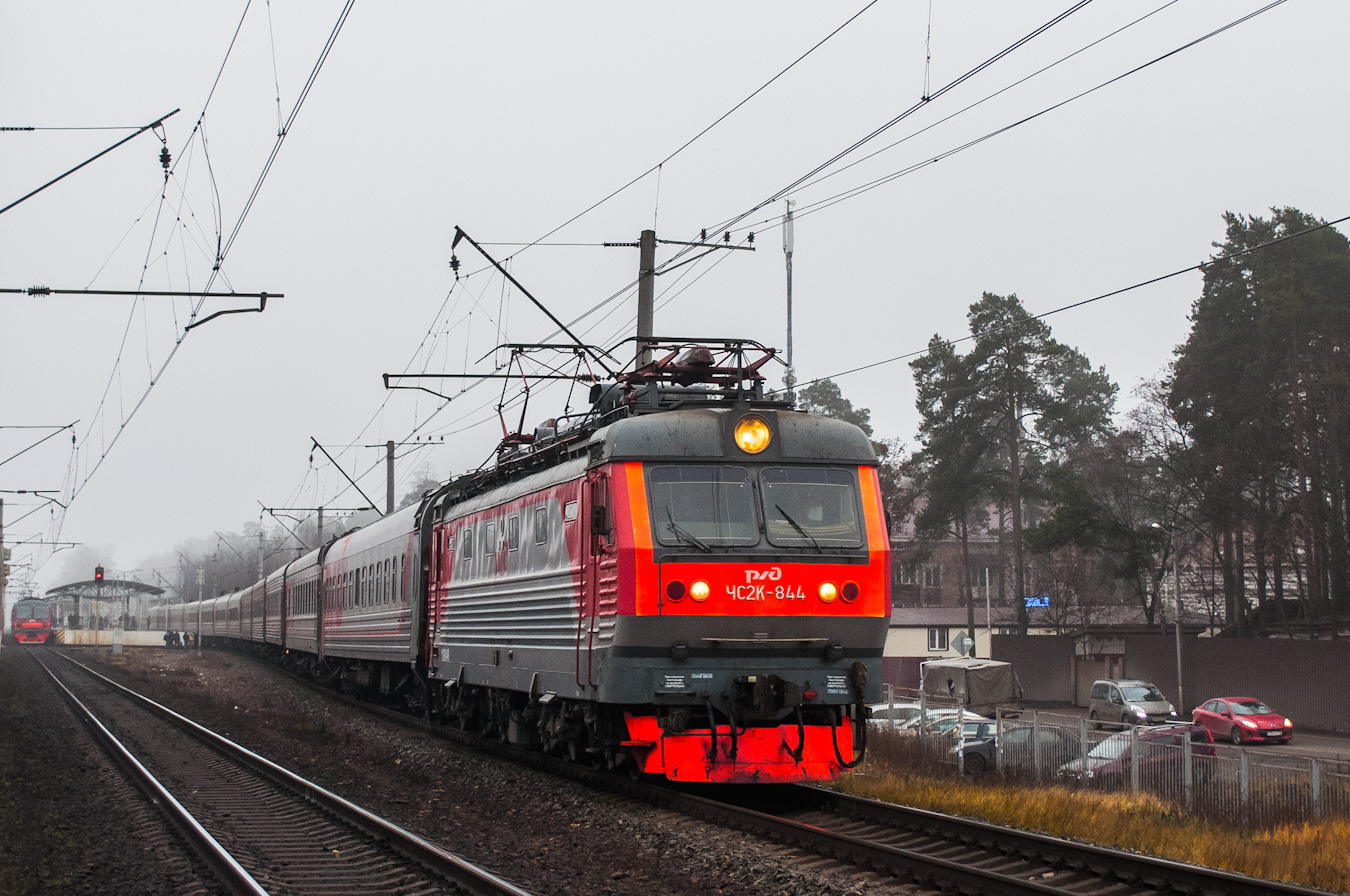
[33, 622]
[693, 583]
[689, 580]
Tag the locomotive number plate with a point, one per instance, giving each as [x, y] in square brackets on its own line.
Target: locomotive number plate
[765, 592]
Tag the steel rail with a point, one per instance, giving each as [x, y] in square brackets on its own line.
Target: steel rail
[1145, 874]
[1163, 874]
[474, 880]
[231, 873]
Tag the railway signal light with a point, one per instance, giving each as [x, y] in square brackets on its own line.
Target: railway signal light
[98, 573]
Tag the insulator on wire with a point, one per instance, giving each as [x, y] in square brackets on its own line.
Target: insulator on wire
[750, 238]
[703, 235]
[164, 157]
[726, 237]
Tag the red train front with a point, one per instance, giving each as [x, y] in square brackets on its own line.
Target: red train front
[698, 589]
[33, 622]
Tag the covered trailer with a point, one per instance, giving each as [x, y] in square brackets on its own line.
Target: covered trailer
[981, 686]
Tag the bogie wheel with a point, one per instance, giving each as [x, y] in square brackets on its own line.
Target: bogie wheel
[1235, 736]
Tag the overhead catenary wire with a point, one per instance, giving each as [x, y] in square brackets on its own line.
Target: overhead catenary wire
[1098, 298]
[868, 138]
[76, 487]
[692, 140]
[928, 161]
[1189, 44]
[528, 244]
[658, 167]
[838, 156]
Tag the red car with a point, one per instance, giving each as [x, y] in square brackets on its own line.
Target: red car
[1243, 720]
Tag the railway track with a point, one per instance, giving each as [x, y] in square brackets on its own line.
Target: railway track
[941, 852]
[888, 842]
[958, 854]
[261, 828]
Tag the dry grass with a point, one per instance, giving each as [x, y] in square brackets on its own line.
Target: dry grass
[1309, 854]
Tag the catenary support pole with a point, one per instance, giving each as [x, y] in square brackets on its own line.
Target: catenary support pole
[646, 295]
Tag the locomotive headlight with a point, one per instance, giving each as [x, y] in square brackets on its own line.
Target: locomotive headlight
[675, 591]
[828, 592]
[753, 434]
[850, 592]
[699, 591]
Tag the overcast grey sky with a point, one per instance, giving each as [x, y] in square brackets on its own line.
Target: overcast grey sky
[509, 120]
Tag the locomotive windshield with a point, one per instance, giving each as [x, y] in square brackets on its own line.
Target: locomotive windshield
[702, 506]
[811, 507]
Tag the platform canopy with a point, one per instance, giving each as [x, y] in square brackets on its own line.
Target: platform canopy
[108, 589]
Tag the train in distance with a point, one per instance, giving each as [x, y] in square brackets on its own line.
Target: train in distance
[33, 621]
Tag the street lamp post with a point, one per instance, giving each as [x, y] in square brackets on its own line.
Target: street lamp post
[1176, 589]
[1176, 595]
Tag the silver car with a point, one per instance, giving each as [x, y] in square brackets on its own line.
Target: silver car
[1129, 701]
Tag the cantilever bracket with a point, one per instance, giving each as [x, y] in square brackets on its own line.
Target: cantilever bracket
[262, 304]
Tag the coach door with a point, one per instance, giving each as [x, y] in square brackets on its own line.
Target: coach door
[595, 534]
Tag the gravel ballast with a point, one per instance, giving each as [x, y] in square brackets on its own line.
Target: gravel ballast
[547, 835]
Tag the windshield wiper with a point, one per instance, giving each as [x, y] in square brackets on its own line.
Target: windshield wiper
[804, 534]
[684, 535]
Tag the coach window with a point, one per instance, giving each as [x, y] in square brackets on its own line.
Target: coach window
[512, 533]
[490, 539]
[541, 524]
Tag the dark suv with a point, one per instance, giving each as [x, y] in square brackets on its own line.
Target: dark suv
[1161, 751]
